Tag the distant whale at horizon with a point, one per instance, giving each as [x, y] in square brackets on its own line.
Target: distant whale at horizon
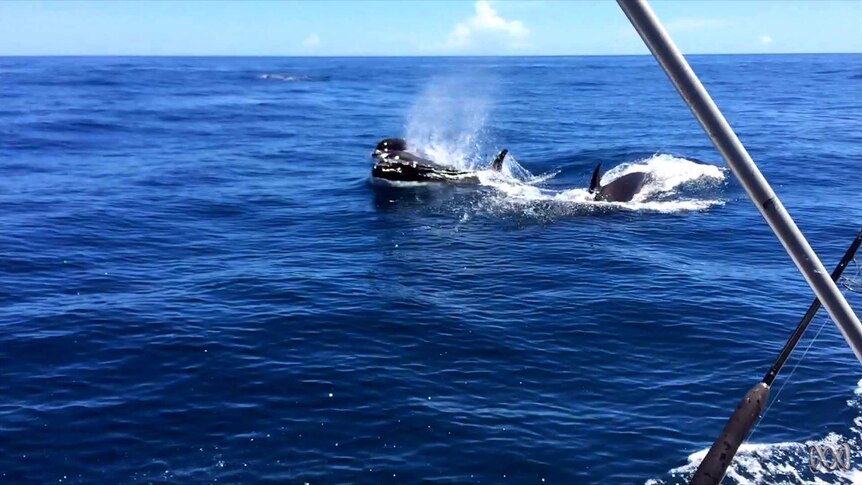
[393, 163]
[622, 189]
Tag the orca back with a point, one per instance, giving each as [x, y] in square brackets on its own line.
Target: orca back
[624, 188]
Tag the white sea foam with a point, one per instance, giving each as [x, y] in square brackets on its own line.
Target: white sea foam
[284, 77]
[447, 124]
[667, 174]
[784, 462]
[773, 463]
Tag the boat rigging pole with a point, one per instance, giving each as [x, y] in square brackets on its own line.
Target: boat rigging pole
[689, 86]
[714, 465]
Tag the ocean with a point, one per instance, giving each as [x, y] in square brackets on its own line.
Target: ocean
[199, 283]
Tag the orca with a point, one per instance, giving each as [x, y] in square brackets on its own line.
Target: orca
[393, 163]
[622, 189]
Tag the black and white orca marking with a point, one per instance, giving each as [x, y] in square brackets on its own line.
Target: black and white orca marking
[622, 189]
[394, 163]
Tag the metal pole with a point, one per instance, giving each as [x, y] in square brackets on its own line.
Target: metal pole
[689, 86]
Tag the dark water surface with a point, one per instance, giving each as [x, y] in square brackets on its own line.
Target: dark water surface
[199, 284]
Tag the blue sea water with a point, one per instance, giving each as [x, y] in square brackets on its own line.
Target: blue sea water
[199, 283]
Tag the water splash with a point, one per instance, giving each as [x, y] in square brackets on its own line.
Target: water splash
[667, 174]
[447, 122]
[672, 181]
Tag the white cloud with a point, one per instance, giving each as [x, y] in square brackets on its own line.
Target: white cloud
[765, 39]
[312, 42]
[487, 27]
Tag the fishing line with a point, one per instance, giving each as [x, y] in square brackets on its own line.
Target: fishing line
[787, 379]
[847, 282]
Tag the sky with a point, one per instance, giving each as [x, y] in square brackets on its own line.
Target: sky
[419, 28]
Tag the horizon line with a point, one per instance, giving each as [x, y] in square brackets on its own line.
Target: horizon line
[449, 56]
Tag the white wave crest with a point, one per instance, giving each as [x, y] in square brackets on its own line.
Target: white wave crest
[291, 78]
[667, 172]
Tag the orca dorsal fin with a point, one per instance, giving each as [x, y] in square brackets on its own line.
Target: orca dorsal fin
[497, 164]
[597, 176]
